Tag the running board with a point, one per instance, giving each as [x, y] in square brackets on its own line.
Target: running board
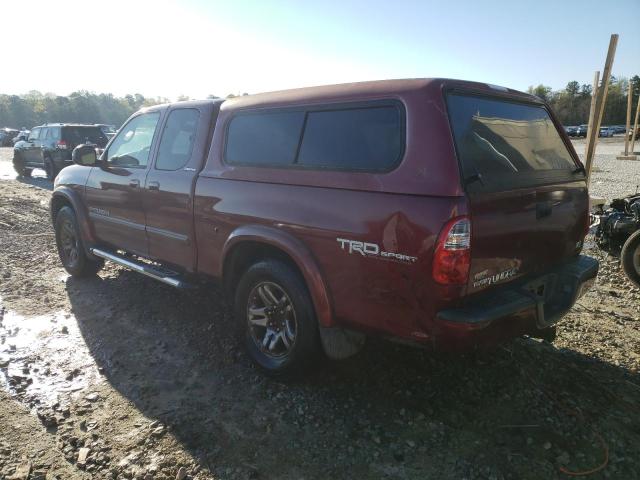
[140, 267]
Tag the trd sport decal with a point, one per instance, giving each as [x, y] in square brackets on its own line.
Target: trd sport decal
[367, 249]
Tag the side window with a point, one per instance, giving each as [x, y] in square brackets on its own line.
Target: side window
[177, 139]
[131, 146]
[34, 135]
[369, 139]
[54, 133]
[44, 134]
[264, 138]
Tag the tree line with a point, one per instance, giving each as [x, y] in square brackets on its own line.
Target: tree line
[571, 104]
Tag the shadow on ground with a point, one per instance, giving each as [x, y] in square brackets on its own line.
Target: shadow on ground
[521, 411]
[37, 181]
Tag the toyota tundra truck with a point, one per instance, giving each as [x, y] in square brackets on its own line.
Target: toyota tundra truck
[441, 213]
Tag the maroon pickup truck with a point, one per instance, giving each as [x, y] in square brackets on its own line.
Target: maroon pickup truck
[437, 212]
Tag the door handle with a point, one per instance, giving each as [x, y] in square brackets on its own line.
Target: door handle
[153, 185]
[134, 183]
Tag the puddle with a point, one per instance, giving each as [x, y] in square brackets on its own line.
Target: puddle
[8, 173]
[44, 359]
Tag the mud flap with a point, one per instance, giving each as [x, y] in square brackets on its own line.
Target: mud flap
[339, 344]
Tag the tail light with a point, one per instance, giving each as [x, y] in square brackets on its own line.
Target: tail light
[61, 144]
[452, 256]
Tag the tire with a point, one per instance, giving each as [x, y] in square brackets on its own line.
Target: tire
[50, 168]
[70, 247]
[548, 334]
[283, 340]
[18, 166]
[630, 258]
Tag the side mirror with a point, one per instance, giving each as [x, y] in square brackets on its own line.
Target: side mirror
[85, 155]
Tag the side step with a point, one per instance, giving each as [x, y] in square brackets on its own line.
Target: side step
[142, 268]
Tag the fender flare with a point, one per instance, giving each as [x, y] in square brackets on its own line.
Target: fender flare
[72, 197]
[297, 251]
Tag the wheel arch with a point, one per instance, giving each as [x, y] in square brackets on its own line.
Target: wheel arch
[250, 243]
[66, 197]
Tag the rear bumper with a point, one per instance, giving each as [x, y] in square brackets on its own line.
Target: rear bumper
[525, 307]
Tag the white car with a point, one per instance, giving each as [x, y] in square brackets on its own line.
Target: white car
[606, 131]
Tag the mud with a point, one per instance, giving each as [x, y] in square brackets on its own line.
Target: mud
[119, 376]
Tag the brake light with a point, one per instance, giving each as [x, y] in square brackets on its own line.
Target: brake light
[61, 144]
[452, 256]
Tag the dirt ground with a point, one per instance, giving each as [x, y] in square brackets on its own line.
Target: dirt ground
[122, 377]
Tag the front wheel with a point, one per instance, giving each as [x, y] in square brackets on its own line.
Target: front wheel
[630, 257]
[18, 166]
[276, 318]
[70, 247]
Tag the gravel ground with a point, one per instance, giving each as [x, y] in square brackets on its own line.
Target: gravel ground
[611, 178]
[122, 377]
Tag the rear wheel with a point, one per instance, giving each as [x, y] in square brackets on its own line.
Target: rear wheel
[50, 168]
[70, 247]
[276, 318]
[630, 257]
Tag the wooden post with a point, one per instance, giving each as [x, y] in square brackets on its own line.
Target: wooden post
[601, 100]
[626, 132]
[592, 110]
[635, 127]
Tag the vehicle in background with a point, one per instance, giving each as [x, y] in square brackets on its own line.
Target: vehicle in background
[6, 136]
[630, 134]
[606, 132]
[581, 131]
[108, 130]
[619, 128]
[49, 147]
[333, 212]
[618, 233]
[571, 131]
[23, 134]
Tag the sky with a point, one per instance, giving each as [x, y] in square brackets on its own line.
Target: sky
[198, 47]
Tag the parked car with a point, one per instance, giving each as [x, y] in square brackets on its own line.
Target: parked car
[581, 131]
[22, 135]
[399, 208]
[606, 132]
[571, 131]
[619, 128]
[49, 146]
[108, 130]
[6, 136]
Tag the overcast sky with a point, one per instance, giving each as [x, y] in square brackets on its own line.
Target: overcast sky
[196, 48]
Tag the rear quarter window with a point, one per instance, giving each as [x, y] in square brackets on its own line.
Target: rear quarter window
[359, 138]
[79, 135]
[368, 139]
[507, 144]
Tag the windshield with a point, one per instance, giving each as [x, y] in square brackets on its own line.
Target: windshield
[503, 140]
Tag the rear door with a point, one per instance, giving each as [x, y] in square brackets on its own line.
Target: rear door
[31, 151]
[169, 188]
[528, 197]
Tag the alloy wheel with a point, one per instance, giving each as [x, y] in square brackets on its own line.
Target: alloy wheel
[69, 243]
[271, 319]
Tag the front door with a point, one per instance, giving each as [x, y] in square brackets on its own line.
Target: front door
[114, 189]
[168, 196]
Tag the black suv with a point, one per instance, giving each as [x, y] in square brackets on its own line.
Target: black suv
[49, 146]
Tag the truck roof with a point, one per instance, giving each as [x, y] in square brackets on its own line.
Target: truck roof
[361, 90]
